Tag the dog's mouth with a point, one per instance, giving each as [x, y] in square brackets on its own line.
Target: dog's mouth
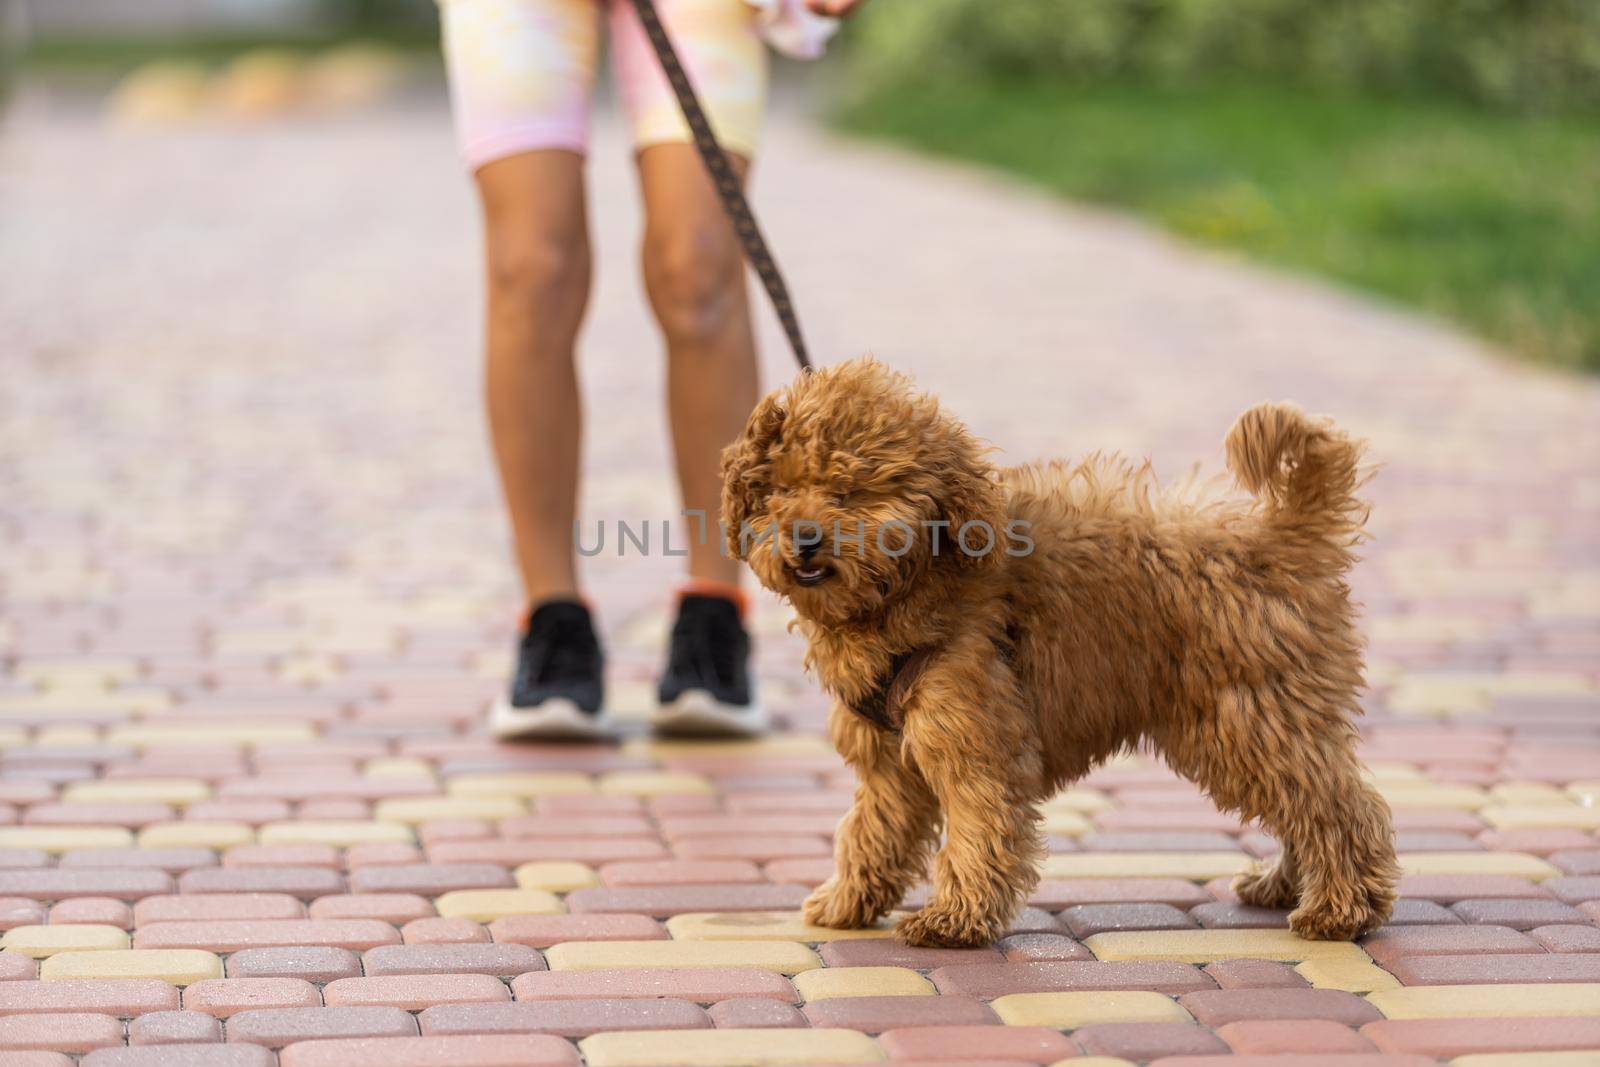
[811, 573]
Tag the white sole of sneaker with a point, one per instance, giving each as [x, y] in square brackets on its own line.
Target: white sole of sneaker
[557, 719]
[696, 713]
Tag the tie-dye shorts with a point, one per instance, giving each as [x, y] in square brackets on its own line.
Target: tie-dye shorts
[522, 72]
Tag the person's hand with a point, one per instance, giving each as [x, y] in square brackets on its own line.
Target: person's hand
[836, 8]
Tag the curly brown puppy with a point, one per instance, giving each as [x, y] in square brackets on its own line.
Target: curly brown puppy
[1106, 613]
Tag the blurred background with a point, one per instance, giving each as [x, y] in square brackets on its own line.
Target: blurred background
[1442, 153]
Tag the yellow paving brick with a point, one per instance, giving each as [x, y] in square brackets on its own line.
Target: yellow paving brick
[1385, 774]
[177, 791]
[132, 700]
[556, 876]
[727, 1048]
[1459, 1001]
[1065, 1011]
[1542, 816]
[398, 767]
[1577, 1058]
[196, 835]
[180, 966]
[427, 809]
[763, 926]
[653, 783]
[1352, 976]
[1429, 795]
[785, 957]
[531, 784]
[1205, 946]
[78, 673]
[1528, 794]
[656, 748]
[245, 734]
[826, 982]
[1413, 697]
[1520, 864]
[1095, 1061]
[41, 941]
[486, 905]
[1195, 866]
[11, 736]
[309, 668]
[1067, 823]
[66, 736]
[1586, 792]
[64, 838]
[339, 834]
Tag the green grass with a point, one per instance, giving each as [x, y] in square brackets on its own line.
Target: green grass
[119, 54]
[1488, 219]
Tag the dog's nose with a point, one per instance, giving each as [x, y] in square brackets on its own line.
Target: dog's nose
[807, 549]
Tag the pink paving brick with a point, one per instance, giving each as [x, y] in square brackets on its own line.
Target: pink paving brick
[222, 997]
[756, 1013]
[995, 980]
[105, 996]
[182, 1056]
[701, 985]
[282, 856]
[1393, 942]
[397, 909]
[1577, 861]
[1253, 974]
[1574, 889]
[681, 872]
[539, 826]
[277, 1027]
[1495, 968]
[172, 860]
[542, 931]
[892, 952]
[506, 961]
[1220, 915]
[1038, 948]
[232, 935]
[1031, 1044]
[99, 910]
[70, 1032]
[567, 1018]
[1449, 888]
[17, 966]
[306, 883]
[133, 816]
[1057, 894]
[510, 853]
[1083, 920]
[62, 883]
[16, 911]
[1292, 1037]
[413, 992]
[174, 1028]
[315, 963]
[505, 1050]
[663, 901]
[1218, 1007]
[1447, 1038]
[875, 1014]
[1567, 938]
[215, 907]
[381, 854]
[1517, 914]
[429, 879]
[1147, 1041]
[37, 1059]
[443, 931]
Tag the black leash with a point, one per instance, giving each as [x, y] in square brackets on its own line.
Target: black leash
[725, 180]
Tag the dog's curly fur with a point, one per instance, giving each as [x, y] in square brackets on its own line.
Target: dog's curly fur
[1214, 628]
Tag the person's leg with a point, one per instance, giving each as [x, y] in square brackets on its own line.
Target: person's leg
[537, 265]
[694, 275]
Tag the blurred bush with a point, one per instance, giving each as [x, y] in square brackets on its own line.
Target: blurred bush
[1532, 55]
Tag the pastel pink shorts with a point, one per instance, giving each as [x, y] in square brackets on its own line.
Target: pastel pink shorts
[522, 72]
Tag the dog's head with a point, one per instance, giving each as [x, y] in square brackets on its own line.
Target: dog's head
[848, 487]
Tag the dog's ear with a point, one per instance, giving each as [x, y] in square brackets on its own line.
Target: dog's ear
[971, 498]
[745, 468]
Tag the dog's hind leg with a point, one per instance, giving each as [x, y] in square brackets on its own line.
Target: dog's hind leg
[1293, 769]
[881, 847]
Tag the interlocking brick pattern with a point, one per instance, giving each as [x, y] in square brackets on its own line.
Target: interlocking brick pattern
[254, 598]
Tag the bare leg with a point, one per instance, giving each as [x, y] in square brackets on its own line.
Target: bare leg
[881, 848]
[538, 266]
[695, 278]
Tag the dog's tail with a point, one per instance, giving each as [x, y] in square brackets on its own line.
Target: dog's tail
[1306, 471]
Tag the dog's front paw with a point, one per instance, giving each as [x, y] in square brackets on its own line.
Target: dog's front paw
[936, 927]
[842, 906]
[1267, 886]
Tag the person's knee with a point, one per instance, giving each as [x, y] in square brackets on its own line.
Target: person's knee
[536, 274]
[695, 280]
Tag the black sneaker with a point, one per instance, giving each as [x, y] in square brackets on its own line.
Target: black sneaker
[706, 689]
[558, 686]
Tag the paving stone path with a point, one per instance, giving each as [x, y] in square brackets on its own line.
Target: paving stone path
[254, 597]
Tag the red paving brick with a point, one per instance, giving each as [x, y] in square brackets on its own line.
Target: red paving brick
[276, 676]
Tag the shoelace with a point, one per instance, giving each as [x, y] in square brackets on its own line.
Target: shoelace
[705, 640]
[567, 655]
